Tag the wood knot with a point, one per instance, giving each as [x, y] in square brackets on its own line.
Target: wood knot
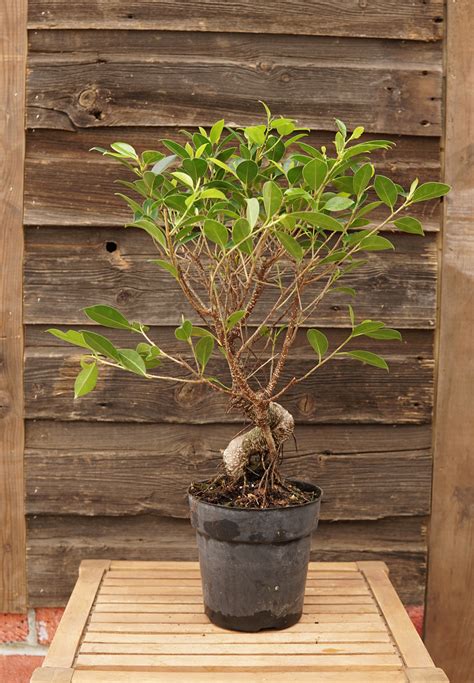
[88, 97]
[124, 296]
[266, 67]
[307, 404]
[188, 395]
[5, 403]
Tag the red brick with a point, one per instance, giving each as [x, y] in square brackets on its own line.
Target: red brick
[47, 620]
[18, 668]
[13, 628]
[417, 615]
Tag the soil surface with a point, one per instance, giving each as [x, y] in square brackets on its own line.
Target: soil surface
[249, 492]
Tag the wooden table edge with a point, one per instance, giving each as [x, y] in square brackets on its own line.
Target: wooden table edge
[62, 651]
[405, 635]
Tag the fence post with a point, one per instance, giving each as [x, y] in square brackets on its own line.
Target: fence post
[13, 49]
[450, 607]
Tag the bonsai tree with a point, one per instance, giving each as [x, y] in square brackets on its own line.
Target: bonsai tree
[256, 227]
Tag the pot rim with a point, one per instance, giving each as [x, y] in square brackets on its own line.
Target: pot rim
[314, 487]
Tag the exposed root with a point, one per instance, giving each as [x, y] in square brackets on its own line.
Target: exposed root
[248, 451]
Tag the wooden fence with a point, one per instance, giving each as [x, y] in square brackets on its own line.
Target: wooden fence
[106, 476]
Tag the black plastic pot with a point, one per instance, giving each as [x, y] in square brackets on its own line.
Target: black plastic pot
[254, 562]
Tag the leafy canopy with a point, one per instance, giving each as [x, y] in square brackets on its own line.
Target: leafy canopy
[238, 213]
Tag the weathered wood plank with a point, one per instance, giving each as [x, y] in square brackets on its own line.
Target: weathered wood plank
[12, 146]
[137, 46]
[452, 529]
[395, 676]
[67, 270]
[57, 544]
[102, 84]
[409, 19]
[68, 185]
[62, 651]
[353, 393]
[365, 473]
[408, 641]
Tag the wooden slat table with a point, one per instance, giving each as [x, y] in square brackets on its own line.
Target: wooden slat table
[143, 622]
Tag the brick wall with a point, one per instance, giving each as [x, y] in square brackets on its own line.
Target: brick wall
[24, 640]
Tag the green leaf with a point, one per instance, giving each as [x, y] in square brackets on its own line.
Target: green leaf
[176, 148]
[131, 360]
[233, 319]
[333, 258]
[247, 171]
[384, 333]
[272, 198]
[409, 224]
[184, 178]
[430, 191]
[216, 232]
[216, 131]
[148, 351]
[356, 237]
[253, 211]
[320, 220]
[290, 245]
[166, 266]
[413, 187]
[338, 203]
[351, 315]
[367, 357]
[125, 150]
[176, 202]
[100, 344]
[108, 316]
[367, 326]
[153, 230]
[318, 341]
[345, 290]
[386, 190]
[368, 208]
[357, 132]
[284, 126]
[203, 351]
[255, 134]
[362, 178]
[151, 156]
[367, 147]
[86, 380]
[196, 168]
[314, 173]
[375, 243]
[135, 206]
[241, 230]
[341, 127]
[223, 165]
[163, 164]
[212, 193]
[201, 332]
[71, 337]
[184, 331]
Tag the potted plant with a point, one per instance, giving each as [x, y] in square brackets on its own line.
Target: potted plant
[255, 227]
